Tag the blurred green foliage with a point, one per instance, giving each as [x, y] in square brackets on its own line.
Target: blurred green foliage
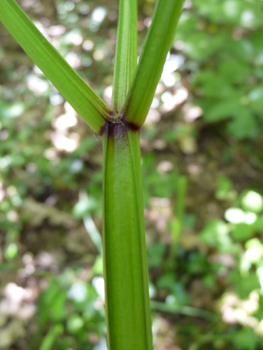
[224, 40]
[205, 248]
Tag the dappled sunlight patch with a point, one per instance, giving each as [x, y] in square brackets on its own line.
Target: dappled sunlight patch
[14, 110]
[73, 59]
[17, 294]
[107, 94]
[88, 45]
[18, 302]
[61, 137]
[254, 250]
[51, 154]
[226, 260]
[98, 55]
[2, 192]
[63, 143]
[56, 30]
[155, 103]
[164, 167]
[235, 215]
[14, 195]
[64, 121]
[97, 17]
[237, 311]
[69, 109]
[260, 276]
[42, 29]
[44, 261]
[73, 37]
[37, 85]
[159, 144]
[98, 283]
[231, 8]
[164, 335]
[55, 98]
[193, 113]
[194, 169]
[252, 201]
[153, 118]
[159, 212]
[173, 62]
[216, 234]
[247, 18]
[259, 328]
[171, 100]
[78, 292]
[102, 345]
[3, 135]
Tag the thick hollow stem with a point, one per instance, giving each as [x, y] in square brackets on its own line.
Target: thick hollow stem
[124, 247]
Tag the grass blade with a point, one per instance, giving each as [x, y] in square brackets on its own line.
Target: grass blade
[124, 247]
[81, 97]
[126, 52]
[93, 232]
[157, 44]
[51, 337]
[182, 309]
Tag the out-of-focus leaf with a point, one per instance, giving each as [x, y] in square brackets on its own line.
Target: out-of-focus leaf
[252, 201]
[242, 232]
[244, 285]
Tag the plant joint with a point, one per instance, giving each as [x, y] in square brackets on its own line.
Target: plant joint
[118, 121]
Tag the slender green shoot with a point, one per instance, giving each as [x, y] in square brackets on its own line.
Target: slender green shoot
[81, 97]
[183, 310]
[125, 261]
[51, 337]
[157, 44]
[126, 53]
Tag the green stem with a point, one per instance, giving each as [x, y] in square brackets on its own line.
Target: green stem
[126, 52]
[124, 247]
[149, 70]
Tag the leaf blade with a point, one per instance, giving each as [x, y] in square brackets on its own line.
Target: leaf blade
[81, 97]
[126, 52]
[156, 46]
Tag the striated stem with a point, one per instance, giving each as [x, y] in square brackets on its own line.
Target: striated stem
[124, 247]
[126, 52]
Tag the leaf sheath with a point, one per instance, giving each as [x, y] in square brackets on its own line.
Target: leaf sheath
[125, 260]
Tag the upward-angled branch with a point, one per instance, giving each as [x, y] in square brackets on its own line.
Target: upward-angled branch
[81, 97]
[157, 44]
[126, 52]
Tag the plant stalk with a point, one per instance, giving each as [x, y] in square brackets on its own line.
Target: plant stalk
[124, 247]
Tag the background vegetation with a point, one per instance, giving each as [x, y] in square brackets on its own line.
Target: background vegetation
[202, 170]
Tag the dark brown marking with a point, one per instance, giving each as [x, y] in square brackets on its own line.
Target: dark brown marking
[103, 128]
[132, 126]
[119, 125]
